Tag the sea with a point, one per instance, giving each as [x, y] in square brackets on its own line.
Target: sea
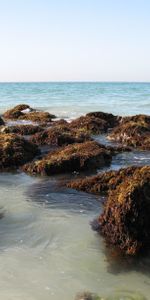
[48, 250]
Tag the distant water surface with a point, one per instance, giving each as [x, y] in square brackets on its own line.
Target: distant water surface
[70, 100]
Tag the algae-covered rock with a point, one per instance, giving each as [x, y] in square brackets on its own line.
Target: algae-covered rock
[15, 151]
[16, 112]
[109, 118]
[25, 112]
[37, 117]
[125, 221]
[89, 124]
[76, 157]
[59, 136]
[133, 131]
[103, 182]
[21, 129]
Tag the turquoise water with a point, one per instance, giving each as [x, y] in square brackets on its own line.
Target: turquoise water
[74, 99]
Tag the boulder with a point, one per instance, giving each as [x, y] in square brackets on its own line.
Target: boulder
[111, 120]
[59, 136]
[16, 112]
[15, 151]
[25, 112]
[21, 129]
[89, 124]
[76, 157]
[125, 221]
[103, 182]
[37, 117]
[133, 131]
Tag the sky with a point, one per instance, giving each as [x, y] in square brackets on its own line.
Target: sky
[74, 40]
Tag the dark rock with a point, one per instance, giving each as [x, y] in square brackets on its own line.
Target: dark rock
[125, 221]
[103, 182]
[15, 151]
[111, 120]
[59, 136]
[89, 124]
[37, 116]
[76, 157]
[25, 112]
[22, 129]
[15, 112]
[1, 121]
[133, 131]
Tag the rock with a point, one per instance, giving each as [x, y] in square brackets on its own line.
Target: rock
[122, 295]
[25, 112]
[111, 120]
[133, 131]
[103, 182]
[15, 112]
[37, 117]
[95, 122]
[125, 222]
[21, 129]
[89, 124]
[87, 296]
[1, 122]
[76, 157]
[60, 122]
[59, 136]
[15, 151]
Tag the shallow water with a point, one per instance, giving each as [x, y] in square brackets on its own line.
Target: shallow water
[47, 247]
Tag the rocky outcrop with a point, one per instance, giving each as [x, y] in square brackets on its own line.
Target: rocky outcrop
[125, 221]
[133, 131]
[95, 123]
[76, 157]
[103, 182]
[59, 136]
[16, 112]
[15, 151]
[25, 112]
[37, 117]
[21, 129]
[111, 120]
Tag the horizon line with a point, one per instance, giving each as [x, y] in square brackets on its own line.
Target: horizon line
[75, 81]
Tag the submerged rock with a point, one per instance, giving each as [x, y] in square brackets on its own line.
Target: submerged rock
[59, 136]
[125, 221]
[21, 129]
[76, 157]
[133, 131]
[87, 296]
[15, 151]
[125, 295]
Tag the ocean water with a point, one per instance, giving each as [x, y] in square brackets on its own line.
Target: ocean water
[47, 247]
[70, 100]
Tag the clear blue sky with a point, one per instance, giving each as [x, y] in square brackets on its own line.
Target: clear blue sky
[81, 40]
